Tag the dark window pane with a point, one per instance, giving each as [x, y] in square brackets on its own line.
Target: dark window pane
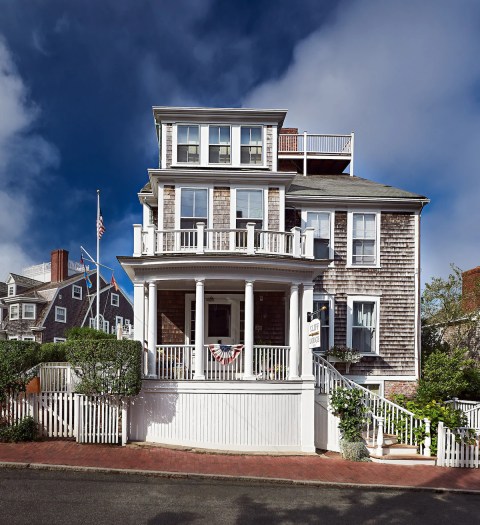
[320, 249]
[219, 316]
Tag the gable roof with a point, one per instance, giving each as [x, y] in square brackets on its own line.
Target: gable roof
[24, 281]
[345, 186]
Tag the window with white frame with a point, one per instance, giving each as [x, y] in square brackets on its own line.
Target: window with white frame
[60, 314]
[251, 145]
[193, 207]
[13, 337]
[127, 322]
[77, 292]
[249, 208]
[118, 320]
[219, 145]
[321, 222]
[188, 144]
[11, 290]
[323, 310]
[363, 314]
[28, 311]
[115, 300]
[364, 239]
[59, 340]
[14, 312]
[28, 338]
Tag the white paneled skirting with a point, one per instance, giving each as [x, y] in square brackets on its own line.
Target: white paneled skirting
[242, 416]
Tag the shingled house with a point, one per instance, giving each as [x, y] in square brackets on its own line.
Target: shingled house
[47, 299]
[247, 228]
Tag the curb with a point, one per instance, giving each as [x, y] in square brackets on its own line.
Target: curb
[225, 477]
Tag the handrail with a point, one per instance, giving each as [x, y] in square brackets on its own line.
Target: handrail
[398, 420]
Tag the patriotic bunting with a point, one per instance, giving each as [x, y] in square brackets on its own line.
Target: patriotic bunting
[225, 354]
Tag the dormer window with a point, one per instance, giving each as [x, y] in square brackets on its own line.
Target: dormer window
[14, 312]
[251, 145]
[219, 145]
[11, 290]
[188, 144]
[28, 311]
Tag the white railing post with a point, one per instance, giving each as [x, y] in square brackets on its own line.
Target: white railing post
[309, 233]
[440, 444]
[200, 238]
[307, 358]
[294, 332]
[249, 329]
[137, 240]
[455, 402]
[296, 241]
[352, 143]
[152, 328]
[124, 422]
[77, 420]
[379, 441]
[304, 153]
[250, 238]
[428, 438]
[151, 239]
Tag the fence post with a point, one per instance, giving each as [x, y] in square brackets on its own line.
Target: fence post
[455, 401]
[77, 420]
[379, 447]
[428, 438]
[440, 445]
[124, 422]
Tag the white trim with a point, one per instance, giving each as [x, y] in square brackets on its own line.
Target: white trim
[233, 203]
[118, 319]
[175, 144]
[12, 290]
[281, 196]
[59, 340]
[58, 309]
[34, 311]
[218, 164]
[76, 287]
[117, 302]
[28, 338]
[418, 330]
[13, 338]
[178, 202]
[364, 299]
[377, 214]
[331, 313]
[160, 205]
[303, 214]
[10, 315]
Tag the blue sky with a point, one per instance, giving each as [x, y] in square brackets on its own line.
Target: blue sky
[78, 79]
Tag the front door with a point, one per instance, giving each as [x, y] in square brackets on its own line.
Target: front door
[222, 320]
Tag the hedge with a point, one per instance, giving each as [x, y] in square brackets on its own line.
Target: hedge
[16, 357]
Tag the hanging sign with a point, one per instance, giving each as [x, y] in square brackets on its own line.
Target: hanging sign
[314, 334]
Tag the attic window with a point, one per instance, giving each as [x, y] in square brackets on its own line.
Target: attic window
[115, 301]
[11, 290]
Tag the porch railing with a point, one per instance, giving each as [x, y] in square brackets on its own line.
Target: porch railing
[200, 240]
[309, 143]
[177, 362]
[385, 416]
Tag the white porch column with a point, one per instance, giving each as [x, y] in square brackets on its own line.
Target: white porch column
[139, 313]
[294, 332]
[199, 328]
[249, 327]
[307, 306]
[152, 328]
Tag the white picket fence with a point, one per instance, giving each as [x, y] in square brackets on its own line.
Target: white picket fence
[460, 404]
[458, 447]
[88, 419]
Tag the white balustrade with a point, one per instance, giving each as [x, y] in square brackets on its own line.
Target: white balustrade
[271, 362]
[175, 362]
[340, 145]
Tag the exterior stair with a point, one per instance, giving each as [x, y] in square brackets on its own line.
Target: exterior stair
[396, 453]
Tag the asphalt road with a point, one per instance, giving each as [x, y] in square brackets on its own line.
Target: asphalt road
[45, 497]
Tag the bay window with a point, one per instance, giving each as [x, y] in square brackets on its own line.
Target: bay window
[219, 145]
[251, 145]
[188, 144]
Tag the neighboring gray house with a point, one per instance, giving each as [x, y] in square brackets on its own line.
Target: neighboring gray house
[49, 298]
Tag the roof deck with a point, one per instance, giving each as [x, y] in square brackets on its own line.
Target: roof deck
[315, 153]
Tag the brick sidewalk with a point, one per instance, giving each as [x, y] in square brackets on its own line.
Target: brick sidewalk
[298, 468]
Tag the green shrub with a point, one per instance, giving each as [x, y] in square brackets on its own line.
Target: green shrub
[16, 357]
[106, 366]
[447, 375]
[80, 333]
[24, 430]
[348, 407]
[53, 352]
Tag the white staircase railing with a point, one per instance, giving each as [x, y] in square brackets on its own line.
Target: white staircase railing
[394, 419]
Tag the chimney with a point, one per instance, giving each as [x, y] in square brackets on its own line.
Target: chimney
[471, 290]
[59, 269]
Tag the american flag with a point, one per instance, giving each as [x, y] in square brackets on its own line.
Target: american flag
[100, 225]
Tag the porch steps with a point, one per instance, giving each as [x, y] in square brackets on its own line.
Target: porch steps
[405, 459]
[394, 453]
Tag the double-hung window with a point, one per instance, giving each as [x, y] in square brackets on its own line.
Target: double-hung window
[28, 311]
[321, 243]
[11, 290]
[321, 310]
[60, 314]
[219, 145]
[251, 145]
[249, 208]
[363, 325]
[188, 144]
[193, 207]
[115, 299]
[14, 312]
[364, 239]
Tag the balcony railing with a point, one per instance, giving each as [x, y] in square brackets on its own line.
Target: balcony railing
[176, 362]
[318, 145]
[201, 240]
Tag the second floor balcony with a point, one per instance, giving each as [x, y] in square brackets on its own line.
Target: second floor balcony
[201, 240]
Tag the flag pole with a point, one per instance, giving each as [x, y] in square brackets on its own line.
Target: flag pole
[98, 260]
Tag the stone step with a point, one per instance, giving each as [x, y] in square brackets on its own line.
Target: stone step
[388, 439]
[406, 459]
[398, 449]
